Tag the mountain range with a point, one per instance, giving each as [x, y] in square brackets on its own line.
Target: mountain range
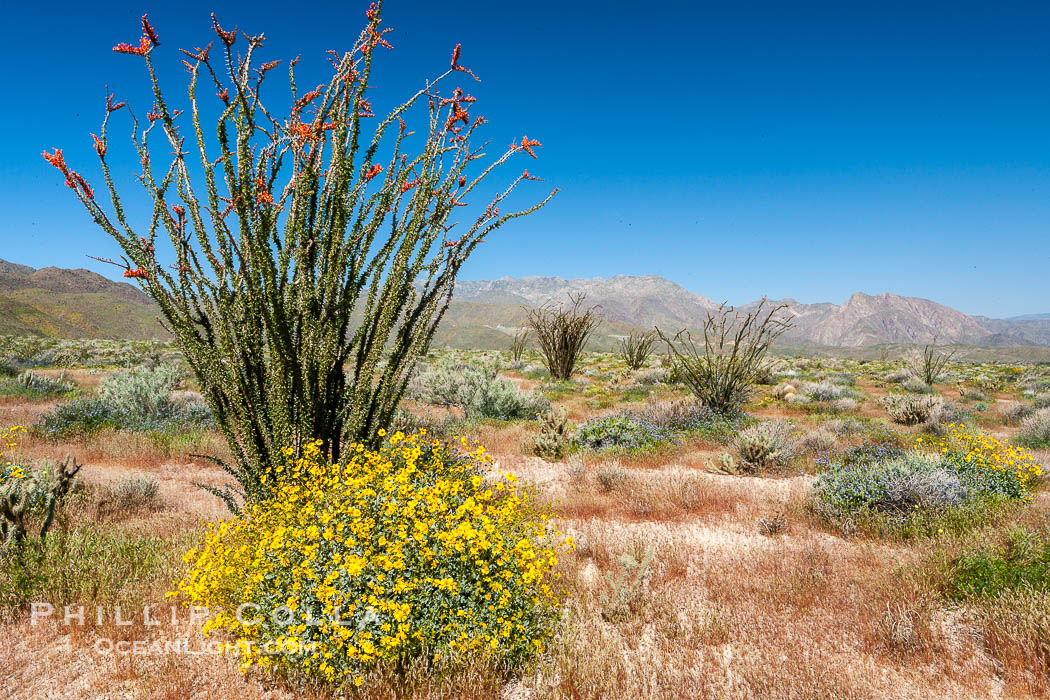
[862, 320]
[57, 302]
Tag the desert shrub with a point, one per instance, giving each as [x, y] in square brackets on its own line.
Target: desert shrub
[986, 464]
[554, 437]
[187, 399]
[1013, 412]
[845, 405]
[33, 385]
[562, 331]
[897, 485]
[443, 428]
[819, 441]
[87, 416]
[915, 385]
[941, 416]
[1035, 429]
[636, 348]
[722, 372]
[8, 367]
[693, 419]
[130, 494]
[971, 393]
[766, 374]
[653, 376]
[77, 418]
[142, 392]
[782, 391]
[898, 376]
[767, 443]
[843, 427]
[827, 391]
[336, 320]
[610, 477]
[1020, 560]
[626, 431]
[399, 554]
[909, 409]
[478, 390]
[865, 454]
[842, 379]
[1042, 400]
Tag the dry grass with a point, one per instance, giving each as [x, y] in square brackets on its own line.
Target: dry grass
[743, 594]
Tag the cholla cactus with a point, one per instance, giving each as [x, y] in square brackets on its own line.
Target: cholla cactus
[554, 436]
[312, 261]
[723, 464]
[909, 409]
[766, 443]
[33, 491]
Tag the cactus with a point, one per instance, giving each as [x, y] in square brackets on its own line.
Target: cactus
[553, 439]
[19, 498]
[723, 464]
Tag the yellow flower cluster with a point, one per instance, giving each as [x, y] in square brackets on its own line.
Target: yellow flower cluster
[981, 451]
[8, 469]
[394, 553]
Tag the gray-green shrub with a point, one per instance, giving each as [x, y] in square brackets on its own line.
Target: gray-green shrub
[1035, 429]
[142, 392]
[478, 390]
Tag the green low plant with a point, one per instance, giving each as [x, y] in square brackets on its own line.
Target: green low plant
[1020, 560]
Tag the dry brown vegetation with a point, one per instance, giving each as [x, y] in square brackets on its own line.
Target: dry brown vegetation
[684, 583]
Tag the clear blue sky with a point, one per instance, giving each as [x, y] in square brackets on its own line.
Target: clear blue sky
[739, 148]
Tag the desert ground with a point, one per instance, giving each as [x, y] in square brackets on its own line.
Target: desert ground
[688, 579]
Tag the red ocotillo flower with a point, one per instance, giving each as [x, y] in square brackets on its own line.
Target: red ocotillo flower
[372, 12]
[462, 181]
[227, 37]
[455, 63]
[140, 50]
[409, 185]
[373, 171]
[146, 27]
[112, 106]
[73, 179]
[137, 273]
[525, 176]
[100, 147]
[224, 95]
[458, 115]
[307, 99]
[526, 145]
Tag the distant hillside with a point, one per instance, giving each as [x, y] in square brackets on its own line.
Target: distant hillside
[55, 302]
[861, 321]
[484, 314]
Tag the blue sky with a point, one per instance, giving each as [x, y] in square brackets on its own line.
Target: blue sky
[793, 149]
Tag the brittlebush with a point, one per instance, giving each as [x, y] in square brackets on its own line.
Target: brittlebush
[1011, 471]
[9, 470]
[402, 553]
